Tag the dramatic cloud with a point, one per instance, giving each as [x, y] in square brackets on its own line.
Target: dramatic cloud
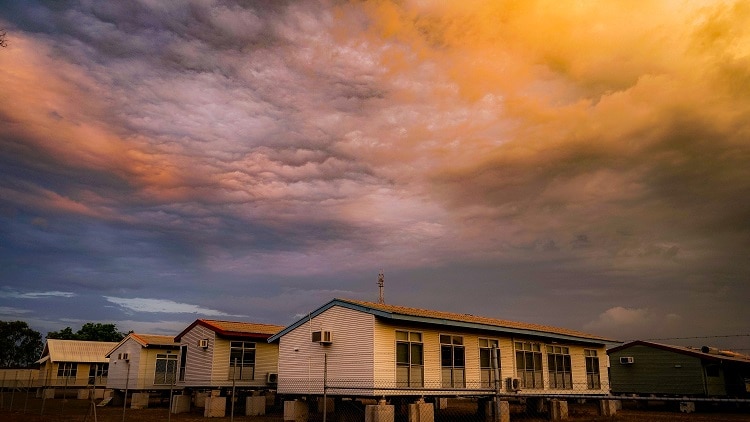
[584, 165]
[163, 306]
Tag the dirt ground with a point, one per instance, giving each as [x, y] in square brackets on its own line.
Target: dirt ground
[25, 409]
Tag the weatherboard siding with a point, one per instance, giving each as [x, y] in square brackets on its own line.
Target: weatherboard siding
[198, 371]
[350, 357]
[656, 371]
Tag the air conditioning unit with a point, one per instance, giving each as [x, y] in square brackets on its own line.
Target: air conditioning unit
[626, 360]
[272, 378]
[513, 384]
[322, 337]
[203, 343]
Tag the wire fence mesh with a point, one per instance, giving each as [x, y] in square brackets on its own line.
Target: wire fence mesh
[353, 400]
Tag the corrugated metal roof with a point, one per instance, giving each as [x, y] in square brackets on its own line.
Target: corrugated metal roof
[235, 328]
[146, 340]
[77, 350]
[450, 316]
[713, 355]
[153, 339]
[463, 321]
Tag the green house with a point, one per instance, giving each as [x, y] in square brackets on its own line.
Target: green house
[645, 368]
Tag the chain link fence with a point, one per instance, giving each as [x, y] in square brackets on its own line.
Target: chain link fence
[353, 400]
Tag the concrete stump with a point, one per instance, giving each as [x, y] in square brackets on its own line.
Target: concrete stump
[558, 410]
[83, 394]
[380, 412]
[139, 400]
[255, 406]
[421, 412]
[607, 407]
[180, 404]
[296, 411]
[496, 411]
[216, 407]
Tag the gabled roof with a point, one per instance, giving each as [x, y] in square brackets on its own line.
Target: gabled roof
[234, 329]
[148, 340]
[76, 351]
[449, 319]
[710, 353]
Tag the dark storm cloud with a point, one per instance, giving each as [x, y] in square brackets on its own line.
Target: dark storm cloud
[163, 160]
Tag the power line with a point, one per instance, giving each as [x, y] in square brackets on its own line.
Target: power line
[698, 337]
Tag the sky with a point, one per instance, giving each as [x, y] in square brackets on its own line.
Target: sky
[577, 164]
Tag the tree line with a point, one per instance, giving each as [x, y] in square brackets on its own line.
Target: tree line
[21, 346]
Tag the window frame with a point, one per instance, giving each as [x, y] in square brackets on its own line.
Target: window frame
[559, 367]
[67, 370]
[452, 375]
[487, 373]
[246, 365]
[414, 340]
[165, 377]
[593, 370]
[529, 365]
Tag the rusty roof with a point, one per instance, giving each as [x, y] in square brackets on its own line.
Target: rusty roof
[147, 340]
[466, 321]
[469, 318]
[234, 328]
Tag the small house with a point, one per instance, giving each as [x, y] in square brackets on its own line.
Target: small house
[144, 362]
[646, 368]
[371, 349]
[74, 364]
[220, 354]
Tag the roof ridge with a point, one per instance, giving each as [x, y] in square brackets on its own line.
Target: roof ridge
[477, 318]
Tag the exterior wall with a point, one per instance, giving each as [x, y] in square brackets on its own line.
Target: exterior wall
[363, 355]
[48, 376]
[266, 360]
[18, 378]
[124, 373]
[385, 362]
[656, 371]
[198, 366]
[350, 357]
[210, 367]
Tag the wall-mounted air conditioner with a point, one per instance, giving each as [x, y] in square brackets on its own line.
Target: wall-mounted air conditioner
[322, 337]
[203, 343]
[272, 378]
[513, 384]
[626, 360]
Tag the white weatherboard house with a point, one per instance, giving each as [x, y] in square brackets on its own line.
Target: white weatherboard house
[74, 363]
[143, 362]
[216, 354]
[372, 349]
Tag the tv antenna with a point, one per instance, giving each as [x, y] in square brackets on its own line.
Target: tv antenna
[381, 282]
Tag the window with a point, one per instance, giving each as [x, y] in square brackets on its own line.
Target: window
[241, 360]
[409, 359]
[166, 368]
[592, 370]
[67, 370]
[486, 365]
[558, 365]
[97, 373]
[183, 361]
[453, 361]
[529, 364]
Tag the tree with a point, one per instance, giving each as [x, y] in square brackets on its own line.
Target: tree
[20, 345]
[89, 331]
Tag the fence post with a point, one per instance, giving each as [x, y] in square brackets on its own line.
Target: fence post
[325, 386]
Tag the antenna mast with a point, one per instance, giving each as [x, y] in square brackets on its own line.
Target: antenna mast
[381, 281]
